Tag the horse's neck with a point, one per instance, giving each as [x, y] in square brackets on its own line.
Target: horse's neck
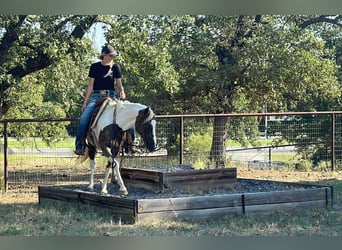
[126, 114]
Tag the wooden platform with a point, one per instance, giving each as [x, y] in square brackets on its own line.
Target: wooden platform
[159, 181]
[193, 206]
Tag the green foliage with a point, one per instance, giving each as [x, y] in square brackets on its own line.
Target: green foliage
[149, 76]
[43, 73]
[177, 64]
[303, 165]
[244, 130]
[199, 143]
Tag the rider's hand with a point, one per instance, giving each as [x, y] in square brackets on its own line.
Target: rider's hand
[122, 95]
[84, 106]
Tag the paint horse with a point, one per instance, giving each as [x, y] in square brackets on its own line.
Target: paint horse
[108, 131]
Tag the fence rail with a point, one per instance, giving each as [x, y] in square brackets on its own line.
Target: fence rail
[310, 140]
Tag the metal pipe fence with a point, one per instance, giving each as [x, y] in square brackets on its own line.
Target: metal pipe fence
[40, 151]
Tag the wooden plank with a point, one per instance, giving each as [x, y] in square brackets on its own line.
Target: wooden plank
[192, 214]
[192, 207]
[188, 203]
[58, 194]
[283, 207]
[200, 178]
[107, 201]
[155, 187]
[148, 179]
[139, 174]
[158, 181]
[285, 196]
[201, 174]
[123, 208]
[82, 197]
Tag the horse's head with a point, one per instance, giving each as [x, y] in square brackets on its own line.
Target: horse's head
[145, 125]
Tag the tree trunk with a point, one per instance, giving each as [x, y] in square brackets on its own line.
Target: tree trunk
[218, 146]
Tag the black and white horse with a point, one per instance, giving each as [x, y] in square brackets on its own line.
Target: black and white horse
[108, 132]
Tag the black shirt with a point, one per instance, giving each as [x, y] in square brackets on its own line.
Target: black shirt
[98, 71]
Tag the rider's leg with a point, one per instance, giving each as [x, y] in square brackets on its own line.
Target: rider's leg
[83, 124]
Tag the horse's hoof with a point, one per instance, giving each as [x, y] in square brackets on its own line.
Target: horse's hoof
[123, 192]
[90, 189]
[104, 192]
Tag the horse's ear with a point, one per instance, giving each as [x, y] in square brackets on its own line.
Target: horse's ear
[146, 112]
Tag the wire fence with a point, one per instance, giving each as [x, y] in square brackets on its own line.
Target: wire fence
[40, 151]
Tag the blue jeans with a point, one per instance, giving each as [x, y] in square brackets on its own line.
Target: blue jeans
[86, 116]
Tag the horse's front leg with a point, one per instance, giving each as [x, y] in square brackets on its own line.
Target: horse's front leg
[116, 168]
[92, 169]
[116, 172]
[106, 177]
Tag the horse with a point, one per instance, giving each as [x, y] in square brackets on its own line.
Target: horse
[108, 131]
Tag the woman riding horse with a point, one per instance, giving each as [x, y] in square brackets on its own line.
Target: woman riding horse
[102, 76]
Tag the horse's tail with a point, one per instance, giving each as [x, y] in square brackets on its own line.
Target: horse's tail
[84, 157]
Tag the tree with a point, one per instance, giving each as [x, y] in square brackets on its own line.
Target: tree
[143, 43]
[235, 64]
[30, 44]
[200, 64]
[43, 69]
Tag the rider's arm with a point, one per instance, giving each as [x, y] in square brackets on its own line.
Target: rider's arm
[120, 88]
[88, 93]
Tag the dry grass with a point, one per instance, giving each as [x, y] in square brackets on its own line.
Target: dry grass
[289, 176]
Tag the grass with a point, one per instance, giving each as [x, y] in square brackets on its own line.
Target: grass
[69, 143]
[20, 214]
[39, 143]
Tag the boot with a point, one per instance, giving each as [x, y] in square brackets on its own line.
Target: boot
[80, 148]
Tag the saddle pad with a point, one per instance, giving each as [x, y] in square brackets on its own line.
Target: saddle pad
[104, 117]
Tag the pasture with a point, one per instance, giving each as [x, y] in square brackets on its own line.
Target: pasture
[20, 214]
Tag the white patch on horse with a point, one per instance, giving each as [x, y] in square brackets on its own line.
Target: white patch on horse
[104, 117]
[153, 122]
[126, 114]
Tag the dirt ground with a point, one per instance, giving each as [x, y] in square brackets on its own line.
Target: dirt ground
[289, 176]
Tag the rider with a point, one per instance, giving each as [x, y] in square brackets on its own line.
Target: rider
[102, 76]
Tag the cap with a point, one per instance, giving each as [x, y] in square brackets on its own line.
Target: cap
[108, 50]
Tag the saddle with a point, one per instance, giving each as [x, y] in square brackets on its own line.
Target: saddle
[100, 105]
[123, 139]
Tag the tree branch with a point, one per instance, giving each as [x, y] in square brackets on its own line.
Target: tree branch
[42, 60]
[10, 36]
[336, 20]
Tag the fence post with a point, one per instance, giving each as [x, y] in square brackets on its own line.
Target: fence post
[181, 144]
[333, 141]
[5, 157]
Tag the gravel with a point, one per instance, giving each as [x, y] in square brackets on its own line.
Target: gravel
[239, 186]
